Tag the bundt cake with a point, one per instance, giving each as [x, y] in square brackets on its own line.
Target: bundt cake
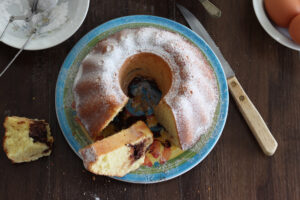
[186, 79]
[120, 153]
[26, 139]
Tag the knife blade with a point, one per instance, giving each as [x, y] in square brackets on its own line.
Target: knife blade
[254, 120]
[197, 27]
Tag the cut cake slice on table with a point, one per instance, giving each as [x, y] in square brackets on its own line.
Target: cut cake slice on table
[26, 139]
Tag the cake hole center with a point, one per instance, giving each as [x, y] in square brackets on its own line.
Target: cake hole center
[144, 95]
[149, 66]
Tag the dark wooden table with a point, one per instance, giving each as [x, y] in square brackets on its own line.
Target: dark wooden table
[235, 169]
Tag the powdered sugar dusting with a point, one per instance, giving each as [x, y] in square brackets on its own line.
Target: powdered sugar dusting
[89, 155]
[193, 95]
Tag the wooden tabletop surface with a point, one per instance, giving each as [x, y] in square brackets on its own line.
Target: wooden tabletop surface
[235, 169]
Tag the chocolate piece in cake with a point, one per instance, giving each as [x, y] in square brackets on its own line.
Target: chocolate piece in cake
[38, 131]
[138, 150]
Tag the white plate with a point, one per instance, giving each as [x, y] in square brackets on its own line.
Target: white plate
[77, 10]
[281, 35]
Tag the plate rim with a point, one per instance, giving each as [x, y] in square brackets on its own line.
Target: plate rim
[224, 102]
[270, 28]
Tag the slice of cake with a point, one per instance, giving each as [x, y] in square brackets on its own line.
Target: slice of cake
[26, 139]
[120, 153]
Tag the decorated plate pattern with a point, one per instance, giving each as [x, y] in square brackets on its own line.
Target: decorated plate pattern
[153, 171]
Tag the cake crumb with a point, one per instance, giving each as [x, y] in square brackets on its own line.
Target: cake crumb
[33, 98]
[94, 178]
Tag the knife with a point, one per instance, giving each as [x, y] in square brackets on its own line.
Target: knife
[254, 120]
[211, 8]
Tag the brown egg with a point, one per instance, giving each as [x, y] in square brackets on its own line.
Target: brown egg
[282, 11]
[294, 29]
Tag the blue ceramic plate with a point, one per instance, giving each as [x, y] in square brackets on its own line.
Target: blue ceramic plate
[75, 134]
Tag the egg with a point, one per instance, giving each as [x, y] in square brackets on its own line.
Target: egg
[282, 11]
[294, 29]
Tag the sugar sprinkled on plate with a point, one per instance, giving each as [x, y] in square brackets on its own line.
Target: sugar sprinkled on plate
[48, 20]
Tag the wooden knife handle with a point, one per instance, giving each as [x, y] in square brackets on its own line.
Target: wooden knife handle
[254, 120]
[211, 8]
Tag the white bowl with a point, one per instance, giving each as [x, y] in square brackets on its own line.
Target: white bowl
[16, 36]
[280, 34]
